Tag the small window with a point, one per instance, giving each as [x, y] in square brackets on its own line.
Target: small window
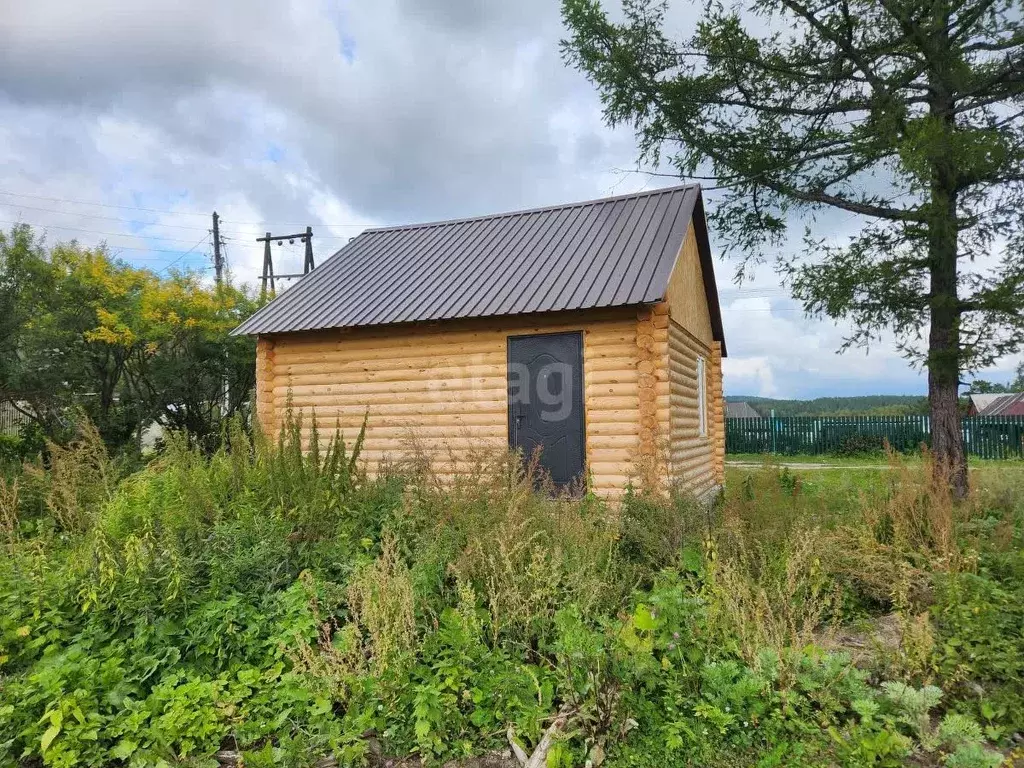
[702, 397]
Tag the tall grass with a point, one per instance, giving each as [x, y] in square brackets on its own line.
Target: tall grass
[785, 571]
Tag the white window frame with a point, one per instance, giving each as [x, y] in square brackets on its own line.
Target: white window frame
[702, 396]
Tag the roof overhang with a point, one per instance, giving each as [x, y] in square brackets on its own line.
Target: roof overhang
[707, 271]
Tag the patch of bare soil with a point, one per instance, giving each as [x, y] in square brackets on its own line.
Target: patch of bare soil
[882, 635]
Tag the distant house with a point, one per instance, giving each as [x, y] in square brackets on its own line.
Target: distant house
[590, 331]
[741, 410]
[11, 419]
[1005, 404]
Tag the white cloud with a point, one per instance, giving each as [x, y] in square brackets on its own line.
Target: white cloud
[749, 376]
[337, 114]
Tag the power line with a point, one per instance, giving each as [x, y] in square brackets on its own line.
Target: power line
[98, 232]
[100, 205]
[764, 309]
[154, 210]
[98, 216]
[757, 293]
[240, 235]
[249, 236]
[186, 253]
[116, 247]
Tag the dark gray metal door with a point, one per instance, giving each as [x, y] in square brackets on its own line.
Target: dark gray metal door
[545, 401]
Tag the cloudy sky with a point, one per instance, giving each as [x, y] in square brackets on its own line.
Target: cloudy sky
[130, 121]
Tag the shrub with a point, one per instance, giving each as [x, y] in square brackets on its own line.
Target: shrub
[10, 451]
[653, 532]
[9, 508]
[861, 444]
[980, 648]
[16, 449]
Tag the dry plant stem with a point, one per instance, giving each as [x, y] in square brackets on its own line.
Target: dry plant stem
[540, 755]
[9, 510]
[380, 597]
[79, 479]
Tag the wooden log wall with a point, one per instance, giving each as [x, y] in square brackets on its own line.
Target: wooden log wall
[265, 385]
[692, 456]
[653, 393]
[716, 404]
[685, 295]
[441, 388]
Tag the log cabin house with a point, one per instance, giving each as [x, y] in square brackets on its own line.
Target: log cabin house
[589, 330]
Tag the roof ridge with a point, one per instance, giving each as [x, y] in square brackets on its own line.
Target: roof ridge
[610, 252]
[539, 209]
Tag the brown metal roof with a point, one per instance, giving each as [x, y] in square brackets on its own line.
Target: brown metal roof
[1006, 404]
[601, 253]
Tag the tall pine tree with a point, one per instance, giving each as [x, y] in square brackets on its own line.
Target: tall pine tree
[907, 114]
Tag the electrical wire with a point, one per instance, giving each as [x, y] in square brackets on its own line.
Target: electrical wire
[97, 216]
[186, 253]
[158, 210]
[98, 232]
[237, 235]
[735, 293]
[100, 205]
[117, 247]
[764, 309]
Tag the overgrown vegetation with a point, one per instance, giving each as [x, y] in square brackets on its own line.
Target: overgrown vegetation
[278, 607]
[85, 333]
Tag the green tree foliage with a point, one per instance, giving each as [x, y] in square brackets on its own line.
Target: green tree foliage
[864, 405]
[190, 359]
[80, 330]
[901, 113]
[982, 387]
[25, 278]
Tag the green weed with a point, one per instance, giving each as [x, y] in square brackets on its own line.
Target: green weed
[272, 600]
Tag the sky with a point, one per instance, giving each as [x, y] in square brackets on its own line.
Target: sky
[129, 121]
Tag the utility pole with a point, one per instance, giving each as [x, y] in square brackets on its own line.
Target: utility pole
[307, 264]
[268, 275]
[268, 268]
[218, 259]
[218, 267]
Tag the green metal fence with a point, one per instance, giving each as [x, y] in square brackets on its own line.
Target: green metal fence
[988, 437]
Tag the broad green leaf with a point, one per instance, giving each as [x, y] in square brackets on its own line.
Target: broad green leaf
[124, 749]
[643, 618]
[48, 737]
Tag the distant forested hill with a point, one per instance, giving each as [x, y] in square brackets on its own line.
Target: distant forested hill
[868, 405]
